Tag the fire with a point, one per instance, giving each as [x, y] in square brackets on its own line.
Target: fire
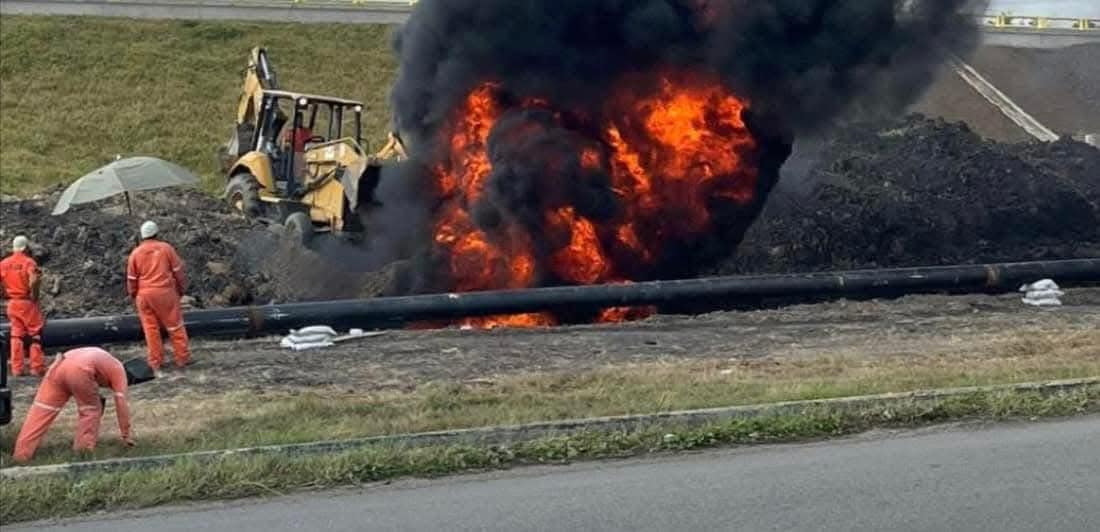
[583, 260]
[670, 151]
[618, 314]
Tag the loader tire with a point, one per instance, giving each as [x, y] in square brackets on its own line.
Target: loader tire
[300, 227]
[243, 194]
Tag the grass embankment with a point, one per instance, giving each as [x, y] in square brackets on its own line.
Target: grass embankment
[244, 419]
[237, 420]
[76, 91]
[24, 500]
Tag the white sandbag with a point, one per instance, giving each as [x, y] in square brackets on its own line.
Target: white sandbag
[1042, 284]
[1044, 294]
[315, 329]
[309, 338]
[290, 341]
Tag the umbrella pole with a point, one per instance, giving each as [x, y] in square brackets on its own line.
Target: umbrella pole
[129, 207]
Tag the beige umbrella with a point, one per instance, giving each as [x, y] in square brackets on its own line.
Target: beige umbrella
[123, 177]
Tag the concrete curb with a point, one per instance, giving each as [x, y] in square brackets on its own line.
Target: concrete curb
[503, 435]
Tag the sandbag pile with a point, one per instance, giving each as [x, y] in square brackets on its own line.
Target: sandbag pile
[318, 336]
[1043, 293]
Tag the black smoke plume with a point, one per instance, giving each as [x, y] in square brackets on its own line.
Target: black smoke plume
[799, 62]
[804, 60]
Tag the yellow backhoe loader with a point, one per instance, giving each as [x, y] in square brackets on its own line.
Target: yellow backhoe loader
[298, 159]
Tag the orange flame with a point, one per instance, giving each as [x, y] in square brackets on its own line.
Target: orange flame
[670, 152]
[582, 260]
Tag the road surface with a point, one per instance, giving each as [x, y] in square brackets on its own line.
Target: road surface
[1042, 476]
[372, 12]
[397, 11]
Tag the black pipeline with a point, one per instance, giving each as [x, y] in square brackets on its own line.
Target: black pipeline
[392, 312]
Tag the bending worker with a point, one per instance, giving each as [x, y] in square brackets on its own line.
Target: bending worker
[20, 281]
[78, 373]
[155, 281]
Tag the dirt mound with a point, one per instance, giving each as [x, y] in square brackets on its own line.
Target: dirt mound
[229, 260]
[915, 192]
[926, 192]
[83, 252]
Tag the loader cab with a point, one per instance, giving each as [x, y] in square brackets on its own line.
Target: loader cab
[299, 159]
[292, 125]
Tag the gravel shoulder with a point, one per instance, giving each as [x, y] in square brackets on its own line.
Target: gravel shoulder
[403, 360]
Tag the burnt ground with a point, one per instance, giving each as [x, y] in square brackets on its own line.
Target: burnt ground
[405, 359]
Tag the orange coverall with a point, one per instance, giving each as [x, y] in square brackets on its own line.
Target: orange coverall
[18, 274]
[78, 373]
[155, 279]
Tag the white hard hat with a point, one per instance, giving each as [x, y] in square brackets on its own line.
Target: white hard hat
[20, 243]
[148, 229]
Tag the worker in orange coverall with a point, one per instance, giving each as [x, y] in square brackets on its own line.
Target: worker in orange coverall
[20, 281]
[155, 280]
[78, 373]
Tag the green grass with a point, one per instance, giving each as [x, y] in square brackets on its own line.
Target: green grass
[236, 477]
[243, 419]
[76, 91]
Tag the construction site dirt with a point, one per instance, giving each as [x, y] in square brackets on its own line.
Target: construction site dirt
[83, 252]
[404, 360]
[916, 192]
[926, 192]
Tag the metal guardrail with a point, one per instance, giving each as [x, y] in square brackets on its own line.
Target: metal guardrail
[1028, 22]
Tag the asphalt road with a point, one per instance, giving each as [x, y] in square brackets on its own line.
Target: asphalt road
[376, 12]
[1042, 476]
[397, 11]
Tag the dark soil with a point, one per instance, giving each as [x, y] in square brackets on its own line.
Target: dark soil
[927, 192]
[83, 252]
[229, 260]
[406, 359]
[914, 193]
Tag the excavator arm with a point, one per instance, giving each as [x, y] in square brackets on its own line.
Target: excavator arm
[258, 77]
